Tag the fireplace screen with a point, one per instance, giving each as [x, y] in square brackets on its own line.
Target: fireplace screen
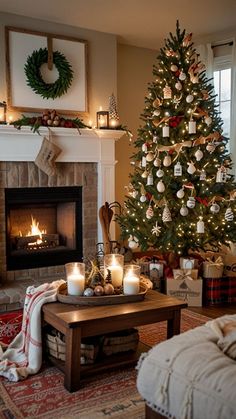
[44, 226]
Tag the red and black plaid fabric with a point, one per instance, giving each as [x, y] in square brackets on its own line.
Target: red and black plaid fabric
[216, 290]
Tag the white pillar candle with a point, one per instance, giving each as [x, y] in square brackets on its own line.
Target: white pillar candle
[114, 263]
[131, 284]
[75, 275]
[75, 284]
[166, 131]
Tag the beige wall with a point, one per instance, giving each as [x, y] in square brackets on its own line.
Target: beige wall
[134, 71]
[102, 58]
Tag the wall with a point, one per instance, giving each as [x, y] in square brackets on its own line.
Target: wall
[102, 58]
[134, 71]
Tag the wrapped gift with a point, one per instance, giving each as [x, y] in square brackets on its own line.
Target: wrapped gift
[232, 289]
[188, 263]
[185, 289]
[230, 265]
[215, 291]
[213, 268]
[185, 274]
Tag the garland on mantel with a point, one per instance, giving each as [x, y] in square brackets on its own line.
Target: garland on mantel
[48, 119]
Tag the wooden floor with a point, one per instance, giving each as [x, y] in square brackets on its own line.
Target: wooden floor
[215, 311]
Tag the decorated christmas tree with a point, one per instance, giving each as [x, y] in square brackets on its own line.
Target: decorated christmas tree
[181, 193]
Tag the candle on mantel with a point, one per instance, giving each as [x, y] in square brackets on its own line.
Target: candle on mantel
[75, 275]
[114, 263]
[131, 282]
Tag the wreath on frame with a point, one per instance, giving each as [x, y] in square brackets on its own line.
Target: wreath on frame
[34, 77]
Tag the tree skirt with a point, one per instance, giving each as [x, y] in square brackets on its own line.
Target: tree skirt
[10, 325]
[111, 395]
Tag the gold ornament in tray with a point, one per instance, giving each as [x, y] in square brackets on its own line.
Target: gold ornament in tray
[63, 297]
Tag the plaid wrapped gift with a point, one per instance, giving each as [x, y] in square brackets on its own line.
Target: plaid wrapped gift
[215, 290]
[232, 289]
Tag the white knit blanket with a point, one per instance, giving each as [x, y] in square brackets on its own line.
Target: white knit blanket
[24, 355]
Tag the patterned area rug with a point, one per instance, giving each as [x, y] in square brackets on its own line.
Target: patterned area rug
[110, 395]
[10, 326]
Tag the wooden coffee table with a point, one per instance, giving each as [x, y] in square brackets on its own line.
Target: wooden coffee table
[78, 322]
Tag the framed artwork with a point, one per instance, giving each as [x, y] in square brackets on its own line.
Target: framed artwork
[35, 83]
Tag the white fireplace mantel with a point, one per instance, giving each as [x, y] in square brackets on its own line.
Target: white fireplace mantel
[84, 145]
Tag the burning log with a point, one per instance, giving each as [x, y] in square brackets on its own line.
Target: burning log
[35, 242]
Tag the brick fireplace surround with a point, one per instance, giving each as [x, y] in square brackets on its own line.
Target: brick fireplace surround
[87, 160]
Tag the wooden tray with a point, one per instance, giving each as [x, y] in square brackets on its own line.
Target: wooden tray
[63, 297]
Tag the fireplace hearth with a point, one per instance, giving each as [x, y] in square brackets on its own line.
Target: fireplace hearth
[43, 226]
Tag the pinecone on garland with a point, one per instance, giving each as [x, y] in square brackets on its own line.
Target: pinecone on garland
[113, 114]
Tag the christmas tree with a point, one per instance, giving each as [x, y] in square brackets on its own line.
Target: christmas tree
[181, 193]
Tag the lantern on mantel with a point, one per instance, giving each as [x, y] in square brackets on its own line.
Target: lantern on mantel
[4, 106]
[102, 119]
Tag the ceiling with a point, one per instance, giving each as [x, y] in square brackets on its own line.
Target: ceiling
[143, 23]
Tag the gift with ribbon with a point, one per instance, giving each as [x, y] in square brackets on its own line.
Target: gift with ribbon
[213, 267]
[183, 274]
[188, 263]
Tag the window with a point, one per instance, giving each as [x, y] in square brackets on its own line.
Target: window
[222, 76]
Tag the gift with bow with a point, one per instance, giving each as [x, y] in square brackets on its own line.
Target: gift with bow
[213, 267]
[183, 274]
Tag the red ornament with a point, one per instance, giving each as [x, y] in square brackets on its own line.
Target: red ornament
[148, 196]
[171, 151]
[174, 121]
[177, 73]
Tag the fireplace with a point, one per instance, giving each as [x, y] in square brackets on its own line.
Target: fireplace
[87, 163]
[43, 226]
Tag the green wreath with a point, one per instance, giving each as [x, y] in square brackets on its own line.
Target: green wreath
[34, 77]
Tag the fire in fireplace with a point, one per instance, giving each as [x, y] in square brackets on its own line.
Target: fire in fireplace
[44, 226]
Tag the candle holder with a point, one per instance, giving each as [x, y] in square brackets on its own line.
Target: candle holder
[114, 263]
[75, 276]
[103, 119]
[131, 281]
[4, 106]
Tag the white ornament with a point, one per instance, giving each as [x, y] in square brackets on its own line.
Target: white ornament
[215, 208]
[210, 147]
[191, 168]
[192, 127]
[166, 131]
[174, 68]
[160, 186]
[182, 76]
[157, 162]
[200, 226]
[144, 161]
[143, 198]
[159, 173]
[144, 148]
[180, 193]
[221, 175]
[208, 120]
[150, 156]
[167, 161]
[199, 155]
[229, 216]
[189, 98]
[167, 92]
[134, 194]
[149, 213]
[184, 211]
[191, 202]
[156, 112]
[178, 169]
[203, 175]
[144, 174]
[133, 242]
[156, 230]
[166, 215]
[155, 138]
[149, 180]
[178, 85]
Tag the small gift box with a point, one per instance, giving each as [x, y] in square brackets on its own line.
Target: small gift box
[213, 268]
[186, 289]
[188, 263]
[181, 274]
